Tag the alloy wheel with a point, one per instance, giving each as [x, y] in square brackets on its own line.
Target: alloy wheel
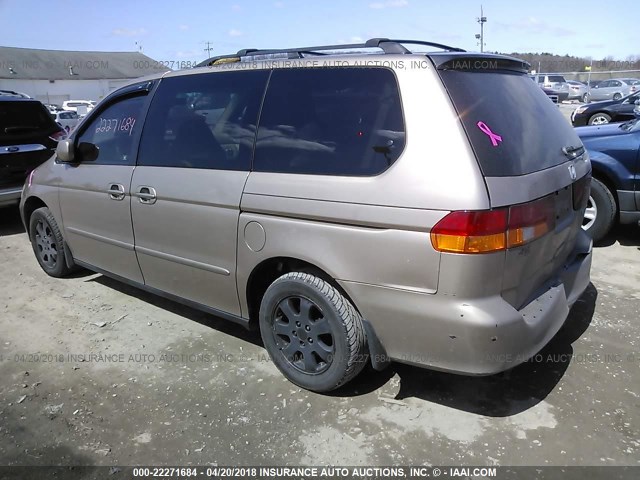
[589, 214]
[46, 244]
[303, 335]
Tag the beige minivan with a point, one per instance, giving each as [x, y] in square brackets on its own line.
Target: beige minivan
[359, 203]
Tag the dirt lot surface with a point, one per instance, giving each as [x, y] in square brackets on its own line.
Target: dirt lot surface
[95, 372]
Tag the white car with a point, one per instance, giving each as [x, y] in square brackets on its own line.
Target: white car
[66, 119]
[81, 107]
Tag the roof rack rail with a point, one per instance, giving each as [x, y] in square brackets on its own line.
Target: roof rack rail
[387, 45]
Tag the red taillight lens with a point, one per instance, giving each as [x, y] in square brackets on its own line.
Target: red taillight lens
[494, 230]
[471, 232]
[580, 191]
[530, 221]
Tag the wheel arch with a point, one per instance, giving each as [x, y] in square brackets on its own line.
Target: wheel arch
[31, 204]
[591, 115]
[263, 275]
[268, 270]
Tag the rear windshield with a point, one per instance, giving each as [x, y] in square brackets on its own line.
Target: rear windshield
[556, 78]
[23, 119]
[513, 127]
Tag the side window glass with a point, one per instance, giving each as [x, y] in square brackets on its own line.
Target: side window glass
[204, 121]
[113, 131]
[345, 121]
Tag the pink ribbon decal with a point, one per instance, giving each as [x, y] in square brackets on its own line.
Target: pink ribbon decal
[494, 137]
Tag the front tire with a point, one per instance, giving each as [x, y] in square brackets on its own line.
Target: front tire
[313, 334]
[601, 211]
[47, 243]
[599, 119]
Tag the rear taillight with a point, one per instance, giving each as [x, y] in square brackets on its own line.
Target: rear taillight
[59, 135]
[530, 221]
[471, 232]
[494, 230]
[580, 190]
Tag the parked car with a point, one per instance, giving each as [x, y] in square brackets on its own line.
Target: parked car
[599, 113]
[614, 89]
[304, 208]
[81, 107]
[552, 83]
[577, 91]
[11, 93]
[54, 108]
[615, 158]
[66, 119]
[28, 136]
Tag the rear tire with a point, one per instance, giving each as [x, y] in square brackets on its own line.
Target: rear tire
[603, 206]
[599, 119]
[47, 243]
[617, 96]
[313, 334]
[585, 98]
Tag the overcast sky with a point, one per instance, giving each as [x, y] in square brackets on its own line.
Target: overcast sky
[178, 30]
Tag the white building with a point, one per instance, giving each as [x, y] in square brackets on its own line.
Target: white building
[53, 76]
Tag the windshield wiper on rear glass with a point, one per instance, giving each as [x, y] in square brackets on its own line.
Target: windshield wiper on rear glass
[572, 152]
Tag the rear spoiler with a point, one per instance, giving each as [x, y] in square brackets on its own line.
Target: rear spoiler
[479, 62]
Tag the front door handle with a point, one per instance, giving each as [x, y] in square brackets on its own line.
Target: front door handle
[147, 195]
[115, 191]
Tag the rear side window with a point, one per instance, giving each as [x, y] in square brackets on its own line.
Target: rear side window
[24, 119]
[203, 121]
[345, 121]
[513, 127]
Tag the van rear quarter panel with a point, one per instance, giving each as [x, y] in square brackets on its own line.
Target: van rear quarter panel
[372, 230]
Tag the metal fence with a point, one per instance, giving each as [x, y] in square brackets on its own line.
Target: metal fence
[587, 76]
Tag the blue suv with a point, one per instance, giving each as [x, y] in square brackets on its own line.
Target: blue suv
[615, 187]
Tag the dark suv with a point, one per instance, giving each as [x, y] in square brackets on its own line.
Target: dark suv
[28, 137]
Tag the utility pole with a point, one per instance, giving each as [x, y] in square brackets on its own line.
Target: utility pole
[481, 20]
[208, 49]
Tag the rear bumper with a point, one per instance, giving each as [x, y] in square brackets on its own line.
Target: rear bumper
[10, 196]
[479, 336]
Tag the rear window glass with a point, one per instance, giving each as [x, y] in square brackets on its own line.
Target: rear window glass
[345, 121]
[18, 119]
[556, 78]
[513, 127]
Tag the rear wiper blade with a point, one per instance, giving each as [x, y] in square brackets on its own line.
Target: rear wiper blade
[573, 152]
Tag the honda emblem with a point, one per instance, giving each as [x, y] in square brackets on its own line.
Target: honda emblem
[572, 172]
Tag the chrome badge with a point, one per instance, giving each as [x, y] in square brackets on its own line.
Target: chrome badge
[572, 172]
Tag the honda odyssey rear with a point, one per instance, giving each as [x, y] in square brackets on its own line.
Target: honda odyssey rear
[355, 207]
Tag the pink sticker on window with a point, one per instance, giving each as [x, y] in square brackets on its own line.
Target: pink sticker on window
[494, 137]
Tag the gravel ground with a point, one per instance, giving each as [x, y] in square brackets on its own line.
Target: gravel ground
[93, 372]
